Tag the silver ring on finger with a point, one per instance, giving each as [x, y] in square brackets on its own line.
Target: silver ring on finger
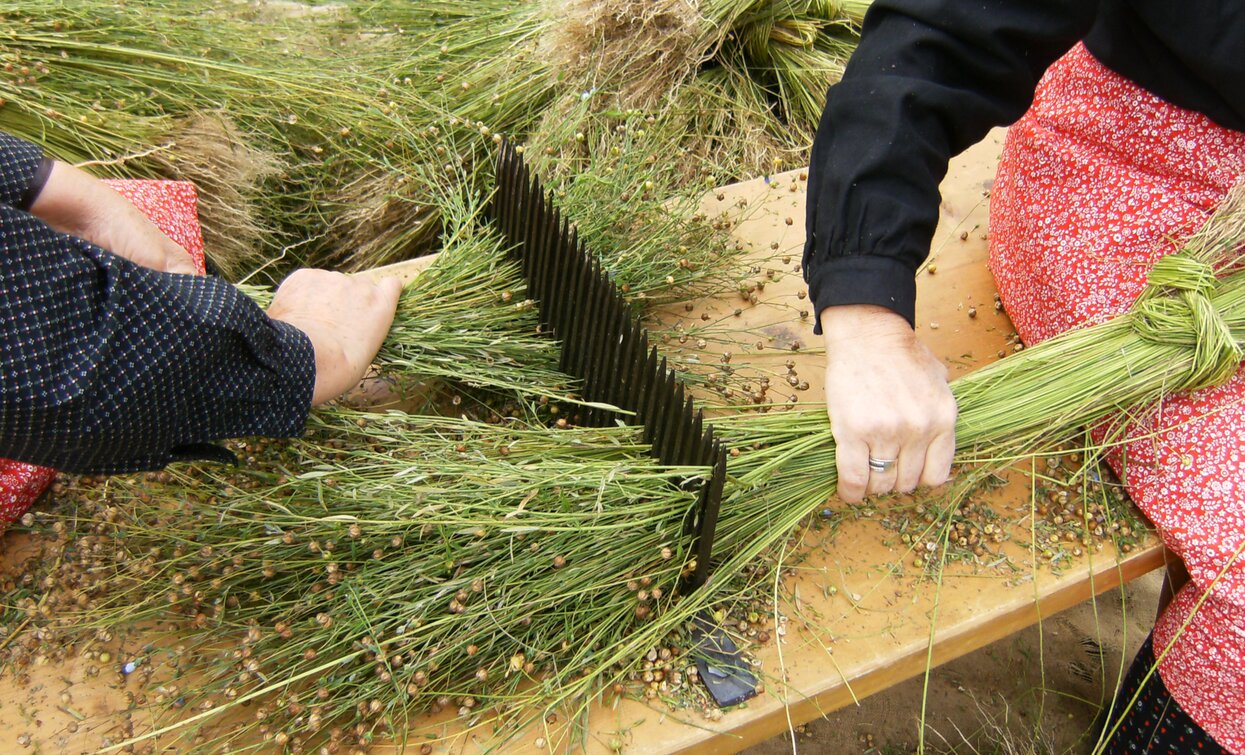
[881, 465]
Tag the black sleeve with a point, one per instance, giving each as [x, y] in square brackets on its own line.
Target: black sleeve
[111, 367]
[23, 171]
[929, 79]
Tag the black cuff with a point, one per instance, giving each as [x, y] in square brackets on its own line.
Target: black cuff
[863, 279]
[203, 452]
[37, 182]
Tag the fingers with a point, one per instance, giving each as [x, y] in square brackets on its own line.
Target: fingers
[883, 469]
[910, 468]
[852, 461]
[178, 260]
[938, 459]
[389, 289]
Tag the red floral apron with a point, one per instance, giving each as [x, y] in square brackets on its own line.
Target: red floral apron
[1098, 180]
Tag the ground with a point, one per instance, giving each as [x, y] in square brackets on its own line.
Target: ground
[991, 702]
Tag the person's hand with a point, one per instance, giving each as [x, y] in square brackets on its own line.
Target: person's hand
[346, 317]
[74, 202]
[888, 400]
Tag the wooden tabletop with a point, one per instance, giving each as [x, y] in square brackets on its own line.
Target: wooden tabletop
[856, 614]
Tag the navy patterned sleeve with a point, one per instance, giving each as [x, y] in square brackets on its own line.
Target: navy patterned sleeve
[111, 367]
[23, 171]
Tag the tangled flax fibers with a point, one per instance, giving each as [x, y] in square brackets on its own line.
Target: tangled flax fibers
[648, 47]
[208, 150]
[377, 217]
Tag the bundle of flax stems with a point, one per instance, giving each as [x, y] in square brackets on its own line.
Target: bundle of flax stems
[333, 116]
[387, 565]
[315, 143]
[1185, 332]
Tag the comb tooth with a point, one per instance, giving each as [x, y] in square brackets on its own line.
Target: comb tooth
[494, 202]
[675, 420]
[600, 347]
[531, 211]
[619, 351]
[667, 417]
[612, 343]
[603, 345]
[657, 417]
[696, 449]
[583, 328]
[624, 337]
[590, 326]
[498, 203]
[555, 282]
[507, 192]
[540, 208]
[637, 358]
[534, 235]
[685, 451]
[652, 392]
[592, 340]
[628, 358]
[564, 283]
[678, 423]
[711, 495]
[547, 229]
[669, 420]
[538, 282]
[539, 237]
[572, 292]
[652, 382]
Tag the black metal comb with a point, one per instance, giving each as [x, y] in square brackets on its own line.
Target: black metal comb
[604, 346]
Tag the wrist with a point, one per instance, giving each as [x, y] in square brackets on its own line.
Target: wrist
[66, 201]
[849, 323]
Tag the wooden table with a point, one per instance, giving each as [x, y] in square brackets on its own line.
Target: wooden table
[857, 615]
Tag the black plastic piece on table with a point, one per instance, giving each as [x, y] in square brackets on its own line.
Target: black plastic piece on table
[721, 668]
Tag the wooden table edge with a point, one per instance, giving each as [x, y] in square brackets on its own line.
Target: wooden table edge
[778, 719]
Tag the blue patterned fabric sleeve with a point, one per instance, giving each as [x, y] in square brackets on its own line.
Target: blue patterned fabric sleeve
[23, 171]
[111, 367]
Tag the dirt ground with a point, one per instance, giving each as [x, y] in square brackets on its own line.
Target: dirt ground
[1037, 691]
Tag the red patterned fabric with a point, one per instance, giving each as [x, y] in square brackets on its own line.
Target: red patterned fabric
[1096, 182]
[173, 207]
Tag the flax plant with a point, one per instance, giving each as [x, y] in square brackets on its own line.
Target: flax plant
[389, 564]
[411, 564]
[1185, 332]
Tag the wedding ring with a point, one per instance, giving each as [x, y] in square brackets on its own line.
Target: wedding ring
[881, 465]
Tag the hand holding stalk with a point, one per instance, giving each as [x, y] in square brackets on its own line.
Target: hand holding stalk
[888, 399]
[346, 317]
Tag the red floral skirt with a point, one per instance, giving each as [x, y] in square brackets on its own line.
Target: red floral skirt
[1096, 182]
[173, 207]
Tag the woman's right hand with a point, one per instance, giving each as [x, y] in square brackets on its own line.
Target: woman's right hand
[888, 400]
[346, 317]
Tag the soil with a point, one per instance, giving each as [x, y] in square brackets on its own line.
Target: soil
[1038, 691]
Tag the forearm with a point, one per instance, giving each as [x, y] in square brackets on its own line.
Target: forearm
[929, 78]
[113, 367]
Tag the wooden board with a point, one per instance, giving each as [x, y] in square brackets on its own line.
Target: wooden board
[858, 615]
